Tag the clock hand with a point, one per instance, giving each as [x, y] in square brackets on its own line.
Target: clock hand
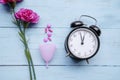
[81, 38]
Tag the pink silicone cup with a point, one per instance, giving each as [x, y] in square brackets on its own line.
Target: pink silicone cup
[47, 52]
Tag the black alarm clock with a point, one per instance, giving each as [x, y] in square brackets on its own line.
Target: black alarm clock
[83, 42]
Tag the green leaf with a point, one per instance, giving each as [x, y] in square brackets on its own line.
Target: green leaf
[21, 35]
[22, 41]
[28, 59]
[15, 22]
[27, 54]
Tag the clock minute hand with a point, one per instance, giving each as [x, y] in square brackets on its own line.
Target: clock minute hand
[81, 39]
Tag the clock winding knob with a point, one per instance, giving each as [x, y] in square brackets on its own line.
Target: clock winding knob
[96, 29]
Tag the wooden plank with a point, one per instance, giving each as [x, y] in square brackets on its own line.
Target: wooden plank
[63, 12]
[11, 49]
[61, 73]
[105, 65]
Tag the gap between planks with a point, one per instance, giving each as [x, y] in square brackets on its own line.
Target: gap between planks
[66, 65]
[4, 27]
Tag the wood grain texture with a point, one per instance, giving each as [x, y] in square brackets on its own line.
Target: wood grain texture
[62, 13]
[104, 66]
[110, 45]
[61, 72]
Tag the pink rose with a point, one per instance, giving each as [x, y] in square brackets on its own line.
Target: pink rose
[9, 1]
[27, 15]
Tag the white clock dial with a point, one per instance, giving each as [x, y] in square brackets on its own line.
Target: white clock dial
[82, 43]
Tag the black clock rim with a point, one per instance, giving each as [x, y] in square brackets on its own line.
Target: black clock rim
[71, 54]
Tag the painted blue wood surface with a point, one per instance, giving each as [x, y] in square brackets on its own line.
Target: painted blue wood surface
[104, 66]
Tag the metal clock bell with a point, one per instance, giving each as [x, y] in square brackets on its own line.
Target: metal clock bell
[82, 43]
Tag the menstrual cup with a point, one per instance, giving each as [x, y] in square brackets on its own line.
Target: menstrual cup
[47, 52]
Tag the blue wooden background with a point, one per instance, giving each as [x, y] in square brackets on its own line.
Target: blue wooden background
[60, 13]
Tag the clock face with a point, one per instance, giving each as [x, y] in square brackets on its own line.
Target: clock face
[83, 43]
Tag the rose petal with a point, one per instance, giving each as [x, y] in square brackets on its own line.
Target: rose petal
[49, 26]
[49, 39]
[45, 40]
[49, 34]
[50, 30]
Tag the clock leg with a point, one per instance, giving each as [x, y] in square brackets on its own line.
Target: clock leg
[87, 61]
[68, 54]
